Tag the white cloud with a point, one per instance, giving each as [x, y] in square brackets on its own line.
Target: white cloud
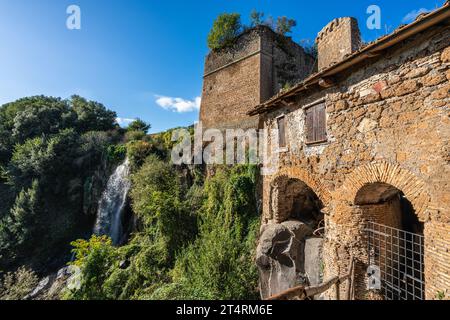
[124, 122]
[410, 17]
[178, 104]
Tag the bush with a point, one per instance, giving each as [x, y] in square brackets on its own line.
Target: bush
[139, 125]
[137, 152]
[96, 258]
[134, 135]
[225, 29]
[220, 265]
[285, 25]
[256, 18]
[18, 285]
[169, 258]
[117, 153]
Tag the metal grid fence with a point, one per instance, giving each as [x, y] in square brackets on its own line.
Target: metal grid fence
[399, 256]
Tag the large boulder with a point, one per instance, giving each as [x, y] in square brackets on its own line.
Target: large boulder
[280, 257]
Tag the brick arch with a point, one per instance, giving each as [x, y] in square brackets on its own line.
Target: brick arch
[300, 174]
[412, 187]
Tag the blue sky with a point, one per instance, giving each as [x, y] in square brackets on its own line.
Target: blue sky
[144, 58]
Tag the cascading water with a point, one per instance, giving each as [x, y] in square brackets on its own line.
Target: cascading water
[112, 203]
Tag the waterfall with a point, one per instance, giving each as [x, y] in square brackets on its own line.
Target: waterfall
[112, 203]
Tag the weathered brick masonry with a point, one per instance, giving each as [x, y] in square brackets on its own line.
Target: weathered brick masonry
[239, 77]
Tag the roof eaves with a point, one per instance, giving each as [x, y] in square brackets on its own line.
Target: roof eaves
[401, 33]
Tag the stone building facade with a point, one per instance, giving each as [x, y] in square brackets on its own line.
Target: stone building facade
[241, 76]
[367, 140]
[362, 142]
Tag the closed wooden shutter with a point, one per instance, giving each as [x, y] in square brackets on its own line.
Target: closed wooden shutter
[310, 125]
[316, 127]
[282, 132]
[321, 116]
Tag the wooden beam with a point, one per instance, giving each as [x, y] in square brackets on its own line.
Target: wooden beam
[294, 293]
[326, 82]
[314, 291]
[302, 293]
[348, 288]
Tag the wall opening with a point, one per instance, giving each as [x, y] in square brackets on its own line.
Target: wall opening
[292, 199]
[290, 252]
[395, 242]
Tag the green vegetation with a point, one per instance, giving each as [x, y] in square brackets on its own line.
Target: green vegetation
[196, 227]
[228, 26]
[139, 125]
[285, 25]
[50, 149]
[256, 18]
[195, 241]
[17, 285]
[225, 29]
[440, 295]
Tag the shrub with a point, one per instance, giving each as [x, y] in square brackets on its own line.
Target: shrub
[219, 265]
[256, 18]
[96, 258]
[139, 125]
[138, 151]
[134, 135]
[117, 153]
[17, 285]
[225, 29]
[285, 25]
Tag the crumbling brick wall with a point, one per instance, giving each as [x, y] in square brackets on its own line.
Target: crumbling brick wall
[239, 77]
[388, 122]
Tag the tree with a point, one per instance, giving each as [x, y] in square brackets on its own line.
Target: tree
[225, 29]
[92, 116]
[47, 159]
[285, 25]
[96, 258]
[20, 230]
[256, 18]
[139, 125]
[30, 117]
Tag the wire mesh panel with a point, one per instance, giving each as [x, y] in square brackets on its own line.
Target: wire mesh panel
[399, 256]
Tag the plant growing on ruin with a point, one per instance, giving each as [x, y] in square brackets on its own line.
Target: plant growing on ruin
[440, 295]
[285, 25]
[256, 18]
[225, 29]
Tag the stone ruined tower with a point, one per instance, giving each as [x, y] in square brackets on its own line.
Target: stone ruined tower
[242, 76]
[338, 39]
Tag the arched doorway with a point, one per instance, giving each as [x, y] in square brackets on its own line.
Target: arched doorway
[395, 242]
[290, 248]
[293, 199]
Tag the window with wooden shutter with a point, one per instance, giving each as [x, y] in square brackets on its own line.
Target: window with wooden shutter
[282, 132]
[316, 126]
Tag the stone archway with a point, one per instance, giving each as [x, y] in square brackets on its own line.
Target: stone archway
[294, 174]
[290, 252]
[381, 192]
[292, 199]
[391, 174]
